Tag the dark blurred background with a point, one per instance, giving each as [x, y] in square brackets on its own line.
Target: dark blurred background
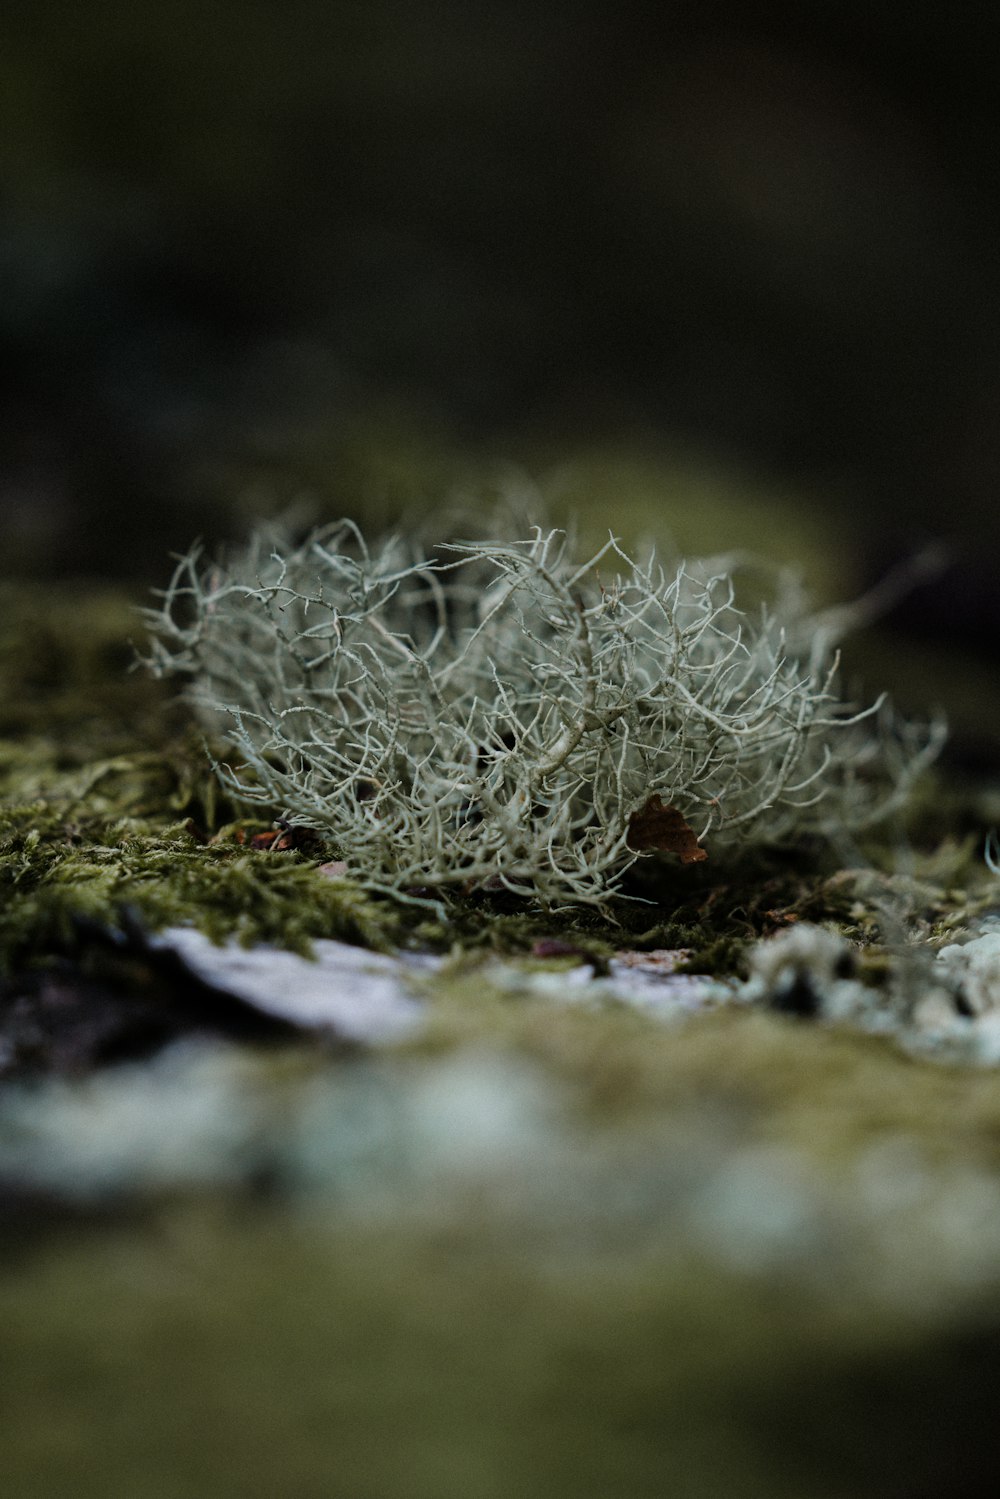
[251, 251]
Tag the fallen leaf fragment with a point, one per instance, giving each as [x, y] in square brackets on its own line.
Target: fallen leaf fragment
[280, 839]
[555, 947]
[658, 961]
[663, 828]
[271, 840]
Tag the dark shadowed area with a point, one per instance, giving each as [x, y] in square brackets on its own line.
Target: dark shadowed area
[238, 243]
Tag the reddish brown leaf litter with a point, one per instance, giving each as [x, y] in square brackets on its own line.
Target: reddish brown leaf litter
[662, 828]
[660, 960]
[280, 839]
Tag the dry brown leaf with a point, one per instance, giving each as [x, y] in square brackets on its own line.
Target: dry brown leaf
[655, 826]
[280, 839]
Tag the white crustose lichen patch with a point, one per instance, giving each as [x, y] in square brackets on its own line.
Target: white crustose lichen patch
[944, 1005]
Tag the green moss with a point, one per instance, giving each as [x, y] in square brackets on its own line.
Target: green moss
[723, 957]
[108, 800]
[49, 884]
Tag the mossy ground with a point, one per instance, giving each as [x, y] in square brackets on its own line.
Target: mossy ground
[225, 1345]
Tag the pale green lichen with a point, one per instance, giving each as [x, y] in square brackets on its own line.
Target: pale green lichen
[496, 713]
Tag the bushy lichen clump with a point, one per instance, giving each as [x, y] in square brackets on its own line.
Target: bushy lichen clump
[107, 800]
[497, 714]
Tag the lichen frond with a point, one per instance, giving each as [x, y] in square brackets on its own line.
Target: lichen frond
[496, 712]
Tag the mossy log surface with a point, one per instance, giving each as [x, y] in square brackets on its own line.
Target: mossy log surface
[543, 1248]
